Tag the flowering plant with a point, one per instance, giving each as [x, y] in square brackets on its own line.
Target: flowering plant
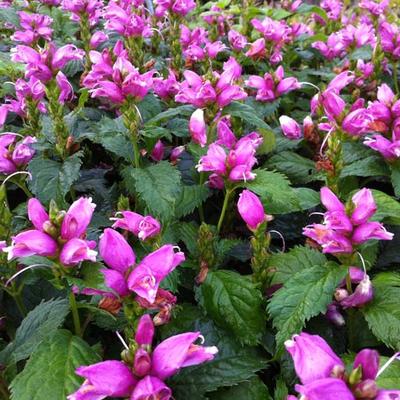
[199, 200]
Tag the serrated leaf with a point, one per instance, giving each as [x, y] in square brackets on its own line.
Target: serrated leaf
[170, 113]
[9, 15]
[275, 192]
[369, 166]
[254, 389]
[362, 53]
[50, 372]
[149, 107]
[90, 277]
[383, 313]
[395, 178]
[299, 169]
[52, 179]
[39, 324]
[388, 209]
[245, 113]
[305, 295]
[233, 363]
[188, 232]
[307, 198]
[158, 185]
[234, 303]
[297, 259]
[191, 197]
[309, 8]
[390, 377]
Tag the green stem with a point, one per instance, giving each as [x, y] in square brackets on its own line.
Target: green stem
[395, 78]
[5, 394]
[23, 187]
[348, 283]
[136, 152]
[223, 211]
[75, 313]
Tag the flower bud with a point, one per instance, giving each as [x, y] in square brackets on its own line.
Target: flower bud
[145, 331]
[198, 128]
[142, 363]
[369, 361]
[251, 209]
[355, 375]
[290, 128]
[37, 214]
[366, 389]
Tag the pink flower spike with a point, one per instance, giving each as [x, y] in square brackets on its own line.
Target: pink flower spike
[290, 128]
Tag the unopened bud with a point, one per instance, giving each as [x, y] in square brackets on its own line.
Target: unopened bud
[142, 363]
[341, 294]
[338, 371]
[355, 375]
[53, 210]
[366, 390]
[50, 229]
[202, 275]
[127, 356]
[70, 142]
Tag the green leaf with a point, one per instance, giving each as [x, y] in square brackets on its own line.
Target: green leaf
[234, 303]
[307, 198]
[233, 363]
[38, 325]
[170, 113]
[254, 389]
[246, 113]
[52, 179]
[362, 53]
[275, 192]
[308, 9]
[191, 197]
[388, 209]
[305, 295]
[390, 377]
[149, 107]
[297, 259]
[395, 177]
[9, 15]
[369, 166]
[158, 185]
[50, 372]
[90, 277]
[299, 169]
[383, 313]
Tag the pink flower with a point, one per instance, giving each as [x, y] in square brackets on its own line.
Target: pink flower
[313, 358]
[104, 379]
[290, 128]
[77, 218]
[77, 250]
[157, 154]
[31, 242]
[115, 251]
[151, 387]
[126, 20]
[145, 279]
[370, 230]
[272, 86]
[198, 128]
[166, 88]
[251, 209]
[66, 89]
[34, 27]
[37, 214]
[179, 351]
[15, 156]
[365, 206]
[327, 389]
[92, 8]
[145, 331]
[142, 226]
[237, 40]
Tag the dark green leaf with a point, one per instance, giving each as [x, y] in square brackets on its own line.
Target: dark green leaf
[234, 303]
[53, 180]
[191, 197]
[305, 295]
[158, 185]
[37, 326]
[246, 113]
[50, 372]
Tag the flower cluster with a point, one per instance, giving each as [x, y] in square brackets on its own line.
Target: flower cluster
[322, 372]
[144, 377]
[344, 229]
